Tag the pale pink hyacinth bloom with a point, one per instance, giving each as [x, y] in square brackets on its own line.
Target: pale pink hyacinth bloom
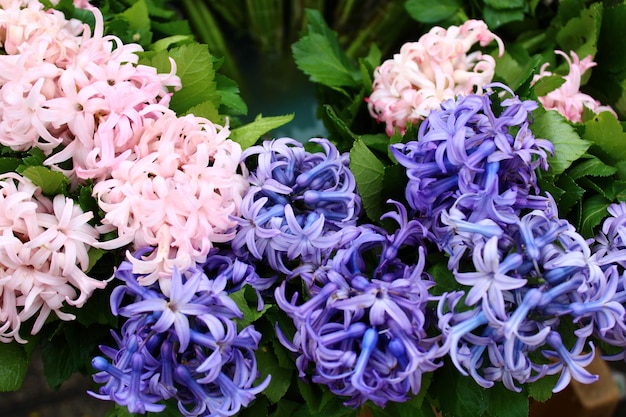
[44, 248]
[430, 71]
[177, 196]
[61, 84]
[567, 99]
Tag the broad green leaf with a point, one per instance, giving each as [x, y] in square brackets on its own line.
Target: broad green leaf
[35, 157]
[369, 173]
[591, 166]
[506, 403]
[547, 84]
[572, 193]
[340, 131]
[611, 54]
[9, 164]
[248, 134]
[459, 395]
[207, 110]
[541, 390]
[568, 146]
[312, 395]
[443, 277]
[166, 43]
[286, 408]
[281, 377]
[580, 34]
[505, 4]
[368, 65]
[230, 97]
[13, 366]
[194, 66]
[319, 55]
[137, 16]
[250, 314]
[498, 17]
[593, 212]
[619, 190]
[50, 182]
[601, 186]
[432, 11]
[259, 407]
[605, 132]
[69, 351]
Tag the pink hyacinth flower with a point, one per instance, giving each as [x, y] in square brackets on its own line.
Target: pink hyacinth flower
[44, 248]
[177, 195]
[567, 99]
[430, 71]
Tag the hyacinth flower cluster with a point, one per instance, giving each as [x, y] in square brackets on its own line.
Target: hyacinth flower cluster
[437, 67]
[44, 246]
[362, 326]
[299, 206]
[178, 195]
[568, 99]
[63, 85]
[185, 346]
[530, 292]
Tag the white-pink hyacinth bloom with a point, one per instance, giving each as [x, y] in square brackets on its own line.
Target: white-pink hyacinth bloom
[62, 84]
[438, 67]
[177, 196]
[44, 248]
[567, 99]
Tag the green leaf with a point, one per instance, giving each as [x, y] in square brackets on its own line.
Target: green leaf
[338, 127]
[230, 98]
[506, 403]
[432, 11]
[35, 157]
[9, 164]
[248, 134]
[369, 173]
[568, 146]
[69, 351]
[611, 54]
[207, 110]
[166, 43]
[572, 193]
[541, 390]
[546, 84]
[498, 17]
[281, 377]
[13, 366]
[580, 34]
[459, 395]
[139, 21]
[593, 212]
[319, 55]
[50, 182]
[592, 167]
[250, 314]
[505, 4]
[605, 132]
[194, 66]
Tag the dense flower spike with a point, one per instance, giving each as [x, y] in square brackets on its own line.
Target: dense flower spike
[426, 73]
[43, 256]
[568, 99]
[178, 196]
[61, 84]
[364, 330]
[470, 164]
[525, 275]
[299, 205]
[184, 346]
